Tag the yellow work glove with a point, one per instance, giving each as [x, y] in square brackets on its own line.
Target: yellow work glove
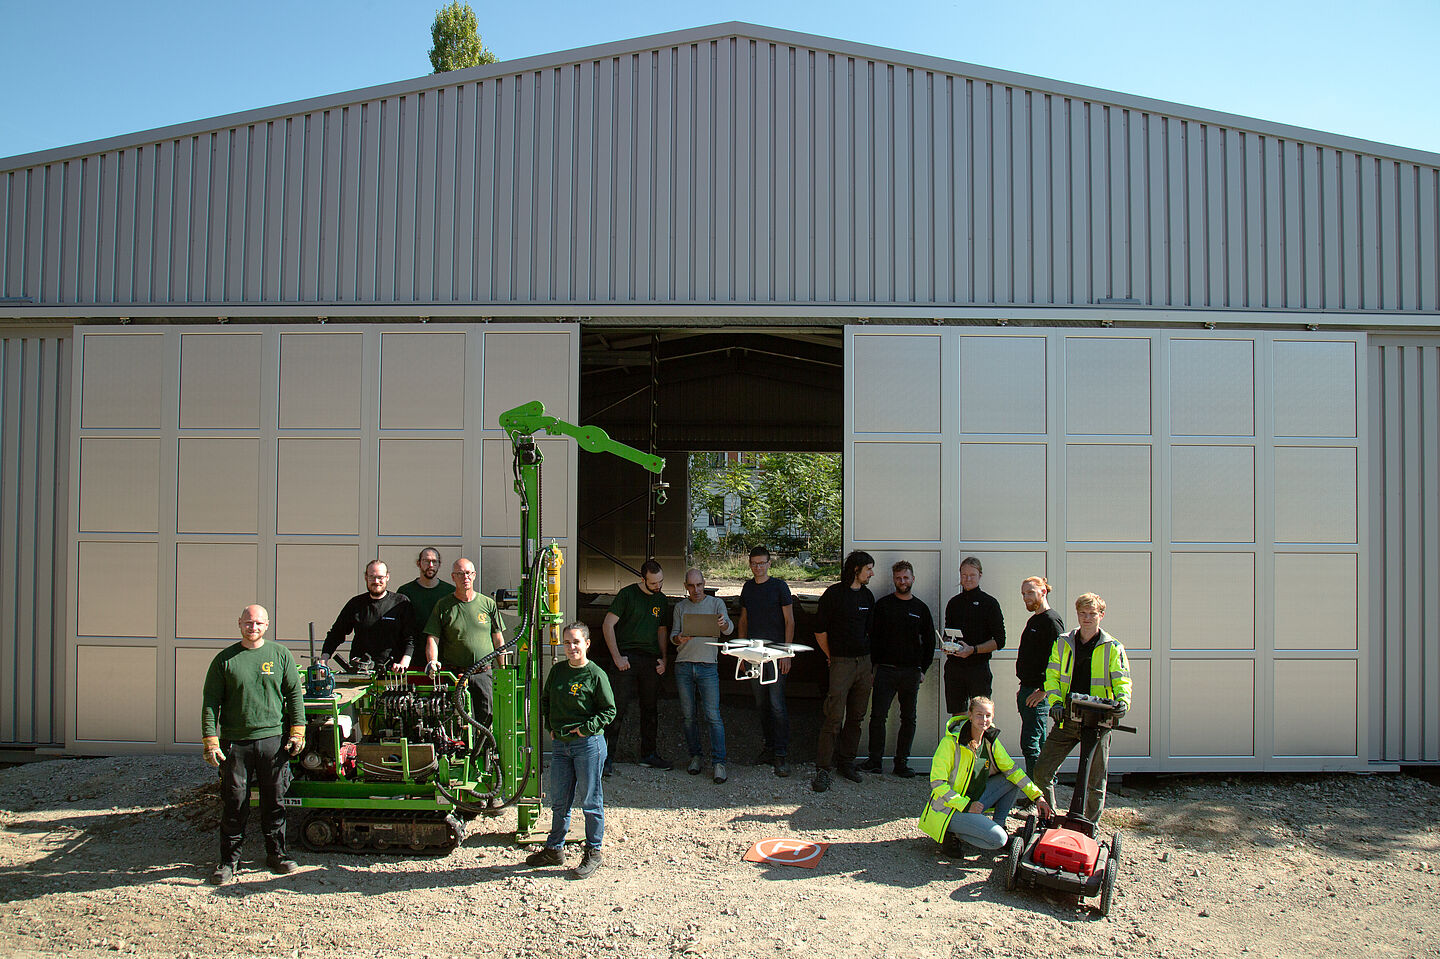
[213, 755]
[296, 742]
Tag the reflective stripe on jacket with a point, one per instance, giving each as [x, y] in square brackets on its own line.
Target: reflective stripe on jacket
[952, 769]
[1109, 669]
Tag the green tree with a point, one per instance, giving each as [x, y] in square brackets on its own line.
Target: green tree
[788, 501]
[457, 40]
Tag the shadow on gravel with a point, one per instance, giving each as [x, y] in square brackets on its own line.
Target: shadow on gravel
[1355, 816]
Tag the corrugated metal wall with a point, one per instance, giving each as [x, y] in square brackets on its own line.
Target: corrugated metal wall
[727, 170]
[34, 493]
[1405, 536]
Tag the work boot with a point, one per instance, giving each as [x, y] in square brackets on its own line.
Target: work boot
[720, 776]
[656, 761]
[870, 766]
[905, 772]
[545, 856]
[766, 757]
[281, 864]
[782, 767]
[851, 774]
[952, 846]
[589, 862]
[821, 782]
[223, 874]
[697, 763]
[609, 768]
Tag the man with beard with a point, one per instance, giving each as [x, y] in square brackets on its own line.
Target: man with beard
[427, 589]
[845, 614]
[977, 615]
[902, 646]
[1035, 644]
[383, 623]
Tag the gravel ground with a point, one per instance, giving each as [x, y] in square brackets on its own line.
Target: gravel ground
[101, 856]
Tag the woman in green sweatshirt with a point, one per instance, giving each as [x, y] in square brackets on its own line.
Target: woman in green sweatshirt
[576, 704]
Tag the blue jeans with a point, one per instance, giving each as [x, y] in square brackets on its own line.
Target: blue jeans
[774, 717]
[575, 776]
[702, 681]
[1032, 727]
[984, 831]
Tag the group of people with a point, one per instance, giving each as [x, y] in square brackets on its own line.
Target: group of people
[253, 716]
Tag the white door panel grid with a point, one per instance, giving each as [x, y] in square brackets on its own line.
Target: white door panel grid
[269, 464]
[1208, 485]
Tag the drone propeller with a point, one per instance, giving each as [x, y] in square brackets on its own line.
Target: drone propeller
[791, 647]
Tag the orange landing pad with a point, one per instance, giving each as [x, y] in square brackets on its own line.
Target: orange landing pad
[779, 851]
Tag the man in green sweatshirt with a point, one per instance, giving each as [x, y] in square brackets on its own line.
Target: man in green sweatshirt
[252, 720]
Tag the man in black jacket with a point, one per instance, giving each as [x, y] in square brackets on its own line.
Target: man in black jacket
[977, 615]
[843, 635]
[383, 623]
[1035, 644]
[902, 646]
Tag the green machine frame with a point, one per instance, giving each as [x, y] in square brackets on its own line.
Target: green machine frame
[396, 763]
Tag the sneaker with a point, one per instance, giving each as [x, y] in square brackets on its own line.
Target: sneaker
[281, 865]
[655, 761]
[545, 856]
[870, 766]
[905, 772]
[720, 776]
[590, 862]
[782, 767]
[223, 873]
[766, 757]
[821, 782]
[851, 774]
[696, 764]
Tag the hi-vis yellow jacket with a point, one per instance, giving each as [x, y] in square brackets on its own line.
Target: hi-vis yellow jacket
[1109, 669]
[952, 769]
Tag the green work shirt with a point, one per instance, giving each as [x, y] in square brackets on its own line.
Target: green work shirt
[424, 600]
[576, 699]
[464, 629]
[252, 693]
[641, 616]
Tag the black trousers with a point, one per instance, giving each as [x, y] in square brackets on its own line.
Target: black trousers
[963, 681]
[638, 682]
[482, 696]
[265, 763]
[890, 682]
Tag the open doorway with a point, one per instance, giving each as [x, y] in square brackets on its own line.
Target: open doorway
[700, 397]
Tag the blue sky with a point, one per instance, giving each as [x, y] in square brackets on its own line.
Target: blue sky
[78, 70]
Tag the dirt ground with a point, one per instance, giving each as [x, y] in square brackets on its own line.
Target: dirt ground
[105, 856]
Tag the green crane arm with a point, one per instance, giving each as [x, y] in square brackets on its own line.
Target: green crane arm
[531, 418]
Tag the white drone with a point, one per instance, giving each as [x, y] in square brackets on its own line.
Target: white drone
[753, 655]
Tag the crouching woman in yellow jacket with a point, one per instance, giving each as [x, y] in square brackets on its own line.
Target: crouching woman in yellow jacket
[971, 772]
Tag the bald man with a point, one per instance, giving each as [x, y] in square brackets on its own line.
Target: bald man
[252, 720]
[464, 627]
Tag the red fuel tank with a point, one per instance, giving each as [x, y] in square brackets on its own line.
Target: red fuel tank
[1067, 850]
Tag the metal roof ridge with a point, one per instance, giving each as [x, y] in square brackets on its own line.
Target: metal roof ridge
[719, 31]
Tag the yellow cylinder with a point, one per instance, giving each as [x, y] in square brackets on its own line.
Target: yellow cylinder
[553, 561]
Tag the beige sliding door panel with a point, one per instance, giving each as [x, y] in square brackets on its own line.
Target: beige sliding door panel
[215, 468]
[1209, 486]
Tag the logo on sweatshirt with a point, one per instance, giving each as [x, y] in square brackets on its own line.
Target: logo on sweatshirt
[268, 668]
[574, 689]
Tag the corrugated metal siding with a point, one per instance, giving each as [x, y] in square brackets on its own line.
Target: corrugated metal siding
[1405, 530]
[34, 471]
[728, 171]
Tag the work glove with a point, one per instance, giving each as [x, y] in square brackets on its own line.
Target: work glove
[296, 741]
[213, 754]
[1057, 713]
